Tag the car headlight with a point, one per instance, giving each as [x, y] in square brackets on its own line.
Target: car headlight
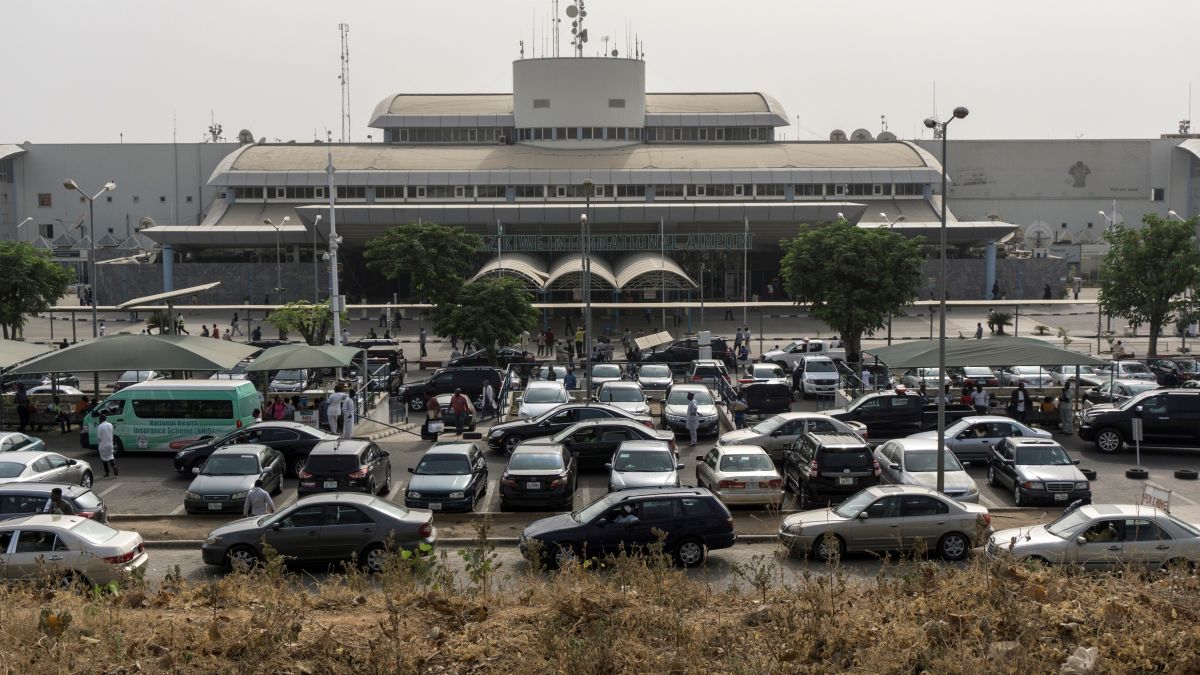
[708, 418]
[191, 495]
[213, 540]
[1081, 485]
[413, 494]
[792, 528]
[495, 433]
[457, 495]
[1035, 485]
[238, 495]
[972, 490]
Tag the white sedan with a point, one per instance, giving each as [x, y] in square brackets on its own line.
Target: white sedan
[69, 548]
[60, 390]
[540, 397]
[627, 396]
[740, 474]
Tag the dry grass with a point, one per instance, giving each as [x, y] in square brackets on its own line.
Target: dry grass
[633, 616]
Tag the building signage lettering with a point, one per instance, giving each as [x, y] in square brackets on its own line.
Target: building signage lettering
[532, 243]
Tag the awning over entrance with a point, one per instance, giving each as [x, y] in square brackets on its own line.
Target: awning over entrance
[999, 351]
[651, 270]
[526, 267]
[567, 273]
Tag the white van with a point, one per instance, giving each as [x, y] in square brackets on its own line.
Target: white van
[172, 414]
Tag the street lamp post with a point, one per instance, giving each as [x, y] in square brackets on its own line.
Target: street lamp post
[70, 184]
[586, 248]
[278, 257]
[28, 219]
[316, 272]
[959, 113]
[899, 219]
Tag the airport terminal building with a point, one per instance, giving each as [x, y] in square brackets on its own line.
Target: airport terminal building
[689, 193]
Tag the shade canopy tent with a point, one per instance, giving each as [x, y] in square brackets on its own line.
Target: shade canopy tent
[997, 351]
[168, 297]
[141, 352]
[289, 357]
[13, 352]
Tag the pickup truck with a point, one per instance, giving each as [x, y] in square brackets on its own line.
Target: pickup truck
[888, 414]
[796, 351]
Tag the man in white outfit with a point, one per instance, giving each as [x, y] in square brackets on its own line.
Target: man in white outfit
[347, 416]
[693, 418]
[104, 441]
[333, 407]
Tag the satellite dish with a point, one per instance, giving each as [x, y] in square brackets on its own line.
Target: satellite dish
[838, 136]
[1039, 234]
[993, 216]
[147, 221]
[861, 135]
[886, 137]
[572, 10]
[244, 136]
[614, 52]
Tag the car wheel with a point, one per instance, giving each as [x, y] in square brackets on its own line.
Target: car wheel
[690, 552]
[504, 506]
[954, 546]
[71, 580]
[118, 448]
[373, 558]
[510, 444]
[86, 481]
[1036, 562]
[991, 476]
[416, 404]
[1180, 565]
[242, 558]
[278, 489]
[829, 547]
[564, 554]
[1017, 501]
[298, 466]
[387, 484]
[1109, 441]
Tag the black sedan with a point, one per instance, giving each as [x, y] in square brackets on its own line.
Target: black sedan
[451, 476]
[292, 439]
[595, 441]
[505, 356]
[507, 435]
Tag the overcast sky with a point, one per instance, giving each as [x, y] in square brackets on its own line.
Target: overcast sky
[88, 71]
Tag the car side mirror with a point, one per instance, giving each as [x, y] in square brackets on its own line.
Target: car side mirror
[678, 467]
[699, 458]
[1081, 540]
[894, 467]
[195, 470]
[608, 466]
[862, 515]
[71, 462]
[276, 525]
[1075, 461]
[385, 453]
[411, 470]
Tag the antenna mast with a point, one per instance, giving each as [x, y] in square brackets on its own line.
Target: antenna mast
[577, 12]
[344, 78]
[556, 22]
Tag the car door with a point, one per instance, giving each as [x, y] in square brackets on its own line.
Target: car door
[61, 470]
[37, 551]
[1158, 427]
[891, 462]
[346, 531]
[1103, 548]
[1184, 409]
[924, 520]
[585, 440]
[41, 471]
[654, 516]
[787, 433]
[706, 467]
[968, 442]
[563, 419]
[1147, 544]
[479, 472]
[880, 530]
[1006, 464]
[905, 415]
[298, 534]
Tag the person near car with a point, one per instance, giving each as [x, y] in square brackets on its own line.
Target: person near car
[277, 410]
[978, 330]
[739, 412]
[1170, 380]
[348, 417]
[569, 380]
[333, 408]
[922, 392]
[947, 396]
[257, 415]
[737, 338]
[289, 409]
[61, 415]
[106, 445]
[256, 334]
[459, 407]
[489, 397]
[693, 418]
[627, 516]
[22, 400]
[1018, 405]
[57, 505]
[433, 413]
[258, 501]
[979, 398]
[421, 338]
[1066, 412]
[579, 340]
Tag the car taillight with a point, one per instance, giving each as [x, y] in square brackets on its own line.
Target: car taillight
[305, 474]
[509, 482]
[361, 473]
[124, 557]
[555, 483]
[812, 469]
[775, 483]
[731, 484]
[875, 466]
[745, 381]
[987, 520]
[86, 514]
[649, 424]
[697, 378]
[426, 530]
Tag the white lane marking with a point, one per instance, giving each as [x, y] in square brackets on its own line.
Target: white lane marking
[397, 490]
[178, 510]
[491, 500]
[287, 499]
[988, 502]
[1176, 495]
[109, 489]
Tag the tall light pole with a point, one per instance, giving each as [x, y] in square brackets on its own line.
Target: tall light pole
[959, 113]
[499, 248]
[586, 248]
[1170, 215]
[28, 219]
[899, 219]
[278, 257]
[70, 184]
[335, 300]
[316, 271]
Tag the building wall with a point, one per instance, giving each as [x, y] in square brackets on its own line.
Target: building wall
[578, 91]
[153, 179]
[1019, 279]
[118, 283]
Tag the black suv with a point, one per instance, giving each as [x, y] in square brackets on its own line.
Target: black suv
[507, 435]
[22, 499]
[346, 466]
[1170, 419]
[693, 521]
[445, 381]
[505, 356]
[829, 465]
[680, 353]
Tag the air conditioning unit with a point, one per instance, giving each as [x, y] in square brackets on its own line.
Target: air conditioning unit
[503, 140]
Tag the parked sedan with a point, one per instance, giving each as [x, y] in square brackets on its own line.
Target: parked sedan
[595, 441]
[971, 437]
[1118, 391]
[44, 467]
[1103, 537]
[914, 461]
[451, 476]
[1060, 374]
[627, 396]
[605, 372]
[56, 390]
[1127, 370]
[1032, 376]
[507, 435]
[539, 476]
[674, 409]
[914, 377]
[354, 465]
[293, 439]
[655, 376]
[229, 473]
[740, 474]
[294, 380]
[775, 434]
[643, 464]
[15, 441]
[541, 397]
[132, 377]
[323, 528]
[448, 414]
[1037, 469]
[974, 375]
[885, 518]
[71, 548]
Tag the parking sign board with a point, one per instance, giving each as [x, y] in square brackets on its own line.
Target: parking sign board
[1158, 497]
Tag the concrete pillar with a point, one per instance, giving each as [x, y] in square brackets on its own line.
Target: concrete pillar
[168, 263]
[989, 269]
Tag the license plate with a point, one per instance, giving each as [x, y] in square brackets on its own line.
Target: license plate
[751, 486]
[331, 485]
[534, 485]
[435, 506]
[845, 480]
[1061, 497]
[214, 506]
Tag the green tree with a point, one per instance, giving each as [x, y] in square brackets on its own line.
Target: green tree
[32, 283]
[491, 311]
[312, 321]
[436, 257]
[1146, 271]
[854, 278]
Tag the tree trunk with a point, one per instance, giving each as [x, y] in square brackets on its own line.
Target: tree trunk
[1155, 324]
[852, 339]
[491, 356]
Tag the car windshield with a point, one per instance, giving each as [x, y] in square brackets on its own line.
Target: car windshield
[1139, 387]
[590, 512]
[1186, 365]
[1135, 368]
[606, 370]
[1067, 523]
[823, 367]
[443, 465]
[978, 372]
[644, 460]
[546, 395]
[768, 425]
[1042, 455]
[855, 504]
[679, 397]
[290, 375]
[927, 461]
[755, 462]
[654, 371]
[620, 395]
[96, 533]
[231, 465]
[11, 469]
[766, 372]
[535, 461]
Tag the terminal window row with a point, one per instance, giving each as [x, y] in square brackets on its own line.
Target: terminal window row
[577, 191]
[648, 134]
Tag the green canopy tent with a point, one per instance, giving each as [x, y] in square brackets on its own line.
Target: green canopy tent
[13, 352]
[998, 351]
[141, 352]
[288, 357]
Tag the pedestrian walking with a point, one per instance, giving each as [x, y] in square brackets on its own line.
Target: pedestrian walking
[235, 326]
[1046, 293]
[693, 419]
[979, 398]
[551, 345]
[996, 290]
[22, 400]
[978, 330]
[345, 336]
[1066, 411]
[348, 420]
[57, 505]
[459, 408]
[579, 335]
[489, 398]
[106, 445]
[453, 341]
[383, 322]
[258, 501]
[333, 408]
[746, 336]
[739, 412]
[541, 343]
[101, 328]
[737, 339]
[289, 408]
[433, 418]
[256, 415]
[421, 337]
[1018, 406]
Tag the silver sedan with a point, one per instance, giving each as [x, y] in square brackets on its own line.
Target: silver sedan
[913, 461]
[71, 548]
[774, 434]
[44, 467]
[971, 437]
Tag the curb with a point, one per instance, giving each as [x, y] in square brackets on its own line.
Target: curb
[451, 541]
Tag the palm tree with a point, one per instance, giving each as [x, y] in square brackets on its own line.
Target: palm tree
[998, 320]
